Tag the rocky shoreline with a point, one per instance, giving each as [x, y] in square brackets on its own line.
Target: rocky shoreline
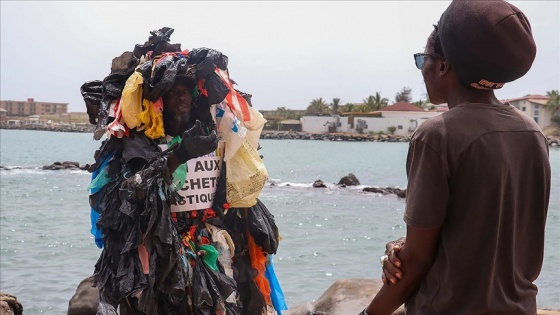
[60, 128]
[553, 141]
[296, 135]
[344, 296]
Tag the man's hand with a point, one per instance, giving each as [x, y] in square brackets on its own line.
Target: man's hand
[195, 143]
[392, 271]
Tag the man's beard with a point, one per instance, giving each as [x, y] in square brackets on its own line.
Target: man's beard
[173, 123]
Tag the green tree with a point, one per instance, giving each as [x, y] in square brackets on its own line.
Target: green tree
[392, 130]
[335, 106]
[317, 106]
[404, 95]
[375, 102]
[348, 107]
[360, 108]
[553, 102]
[421, 104]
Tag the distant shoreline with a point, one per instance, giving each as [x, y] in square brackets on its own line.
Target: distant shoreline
[270, 134]
[265, 134]
[80, 129]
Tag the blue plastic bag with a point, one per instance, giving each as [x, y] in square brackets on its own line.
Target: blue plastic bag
[276, 294]
[98, 180]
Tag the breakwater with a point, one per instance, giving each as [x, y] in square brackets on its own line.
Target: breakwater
[58, 128]
[553, 141]
[356, 137]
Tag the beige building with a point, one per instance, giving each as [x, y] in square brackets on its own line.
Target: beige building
[32, 107]
[535, 107]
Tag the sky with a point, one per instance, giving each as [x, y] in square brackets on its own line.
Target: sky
[284, 53]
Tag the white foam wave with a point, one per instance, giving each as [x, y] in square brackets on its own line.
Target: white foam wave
[19, 170]
[22, 171]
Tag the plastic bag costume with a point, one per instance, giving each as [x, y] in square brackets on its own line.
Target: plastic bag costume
[158, 257]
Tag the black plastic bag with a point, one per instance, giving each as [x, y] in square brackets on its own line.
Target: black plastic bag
[217, 89]
[207, 60]
[201, 295]
[92, 92]
[211, 289]
[161, 78]
[121, 68]
[158, 43]
[262, 227]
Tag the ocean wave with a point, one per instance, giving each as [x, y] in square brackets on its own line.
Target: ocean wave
[25, 170]
[22, 171]
[329, 186]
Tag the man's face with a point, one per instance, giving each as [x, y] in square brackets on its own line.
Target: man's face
[178, 101]
[430, 72]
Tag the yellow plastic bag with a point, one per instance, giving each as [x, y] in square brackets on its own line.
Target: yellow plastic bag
[131, 100]
[246, 176]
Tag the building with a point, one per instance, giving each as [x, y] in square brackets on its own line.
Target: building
[31, 107]
[3, 115]
[535, 107]
[290, 125]
[401, 119]
[404, 117]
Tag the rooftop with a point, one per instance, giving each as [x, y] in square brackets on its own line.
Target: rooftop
[402, 107]
[533, 98]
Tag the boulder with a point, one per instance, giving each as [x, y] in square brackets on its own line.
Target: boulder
[9, 305]
[351, 296]
[401, 193]
[374, 190]
[319, 184]
[66, 165]
[349, 180]
[86, 299]
[345, 296]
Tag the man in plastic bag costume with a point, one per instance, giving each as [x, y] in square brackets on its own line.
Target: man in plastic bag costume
[174, 187]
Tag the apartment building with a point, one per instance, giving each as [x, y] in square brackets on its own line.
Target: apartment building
[32, 107]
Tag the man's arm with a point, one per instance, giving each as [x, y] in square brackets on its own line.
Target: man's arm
[417, 256]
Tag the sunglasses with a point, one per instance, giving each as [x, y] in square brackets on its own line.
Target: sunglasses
[419, 59]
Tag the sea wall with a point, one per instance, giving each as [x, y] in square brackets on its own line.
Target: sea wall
[553, 141]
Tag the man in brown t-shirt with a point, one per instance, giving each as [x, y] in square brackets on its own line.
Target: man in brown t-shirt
[478, 175]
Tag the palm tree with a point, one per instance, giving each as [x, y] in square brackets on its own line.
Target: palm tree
[553, 102]
[380, 102]
[362, 108]
[335, 106]
[348, 107]
[317, 106]
[375, 102]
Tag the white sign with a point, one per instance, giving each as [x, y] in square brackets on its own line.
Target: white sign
[201, 183]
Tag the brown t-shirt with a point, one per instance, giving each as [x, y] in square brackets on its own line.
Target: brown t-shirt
[480, 172]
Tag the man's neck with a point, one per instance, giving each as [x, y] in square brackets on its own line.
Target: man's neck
[463, 94]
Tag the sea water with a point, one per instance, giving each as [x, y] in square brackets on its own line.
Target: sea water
[327, 233]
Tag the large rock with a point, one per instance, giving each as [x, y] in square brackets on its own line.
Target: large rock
[9, 305]
[86, 299]
[344, 297]
[66, 165]
[350, 297]
[349, 180]
[401, 193]
[319, 184]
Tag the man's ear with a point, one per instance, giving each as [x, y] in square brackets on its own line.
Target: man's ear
[443, 66]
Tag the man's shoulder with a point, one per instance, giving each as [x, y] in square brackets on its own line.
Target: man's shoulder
[432, 129]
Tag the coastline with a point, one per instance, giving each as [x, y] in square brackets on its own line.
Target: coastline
[553, 141]
[265, 134]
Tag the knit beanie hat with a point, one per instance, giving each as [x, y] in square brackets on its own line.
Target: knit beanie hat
[488, 43]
